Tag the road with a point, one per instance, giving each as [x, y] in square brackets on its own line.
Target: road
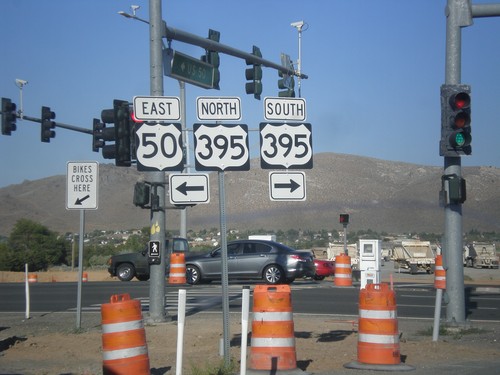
[308, 297]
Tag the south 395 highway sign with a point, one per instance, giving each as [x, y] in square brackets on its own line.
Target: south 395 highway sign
[285, 145]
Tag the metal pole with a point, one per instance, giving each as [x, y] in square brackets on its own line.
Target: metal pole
[299, 63]
[182, 90]
[157, 312]
[225, 283]
[345, 240]
[80, 271]
[208, 44]
[458, 15]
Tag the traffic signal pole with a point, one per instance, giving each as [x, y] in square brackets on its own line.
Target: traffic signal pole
[459, 14]
[453, 243]
[157, 311]
[171, 33]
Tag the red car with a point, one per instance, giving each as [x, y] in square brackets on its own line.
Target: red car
[324, 268]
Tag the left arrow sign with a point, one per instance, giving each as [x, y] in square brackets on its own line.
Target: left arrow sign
[189, 188]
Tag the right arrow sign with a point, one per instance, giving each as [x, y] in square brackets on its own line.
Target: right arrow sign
[285, 186]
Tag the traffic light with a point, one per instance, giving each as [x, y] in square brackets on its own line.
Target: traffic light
[121, 133]
[344, 219]
[9, 116]
[455, 121]
[254, 75]
[47, 125]
[101, 135]
[142, 194]
[287, 83]
[212, 57]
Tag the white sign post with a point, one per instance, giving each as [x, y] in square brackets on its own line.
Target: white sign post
[82, 194]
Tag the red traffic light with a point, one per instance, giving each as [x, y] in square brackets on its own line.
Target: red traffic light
[344, 218]
[460, 100]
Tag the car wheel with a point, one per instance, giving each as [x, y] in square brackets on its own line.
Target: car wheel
[318, 278]
[193, 275]
[125, 272]
[274, 275]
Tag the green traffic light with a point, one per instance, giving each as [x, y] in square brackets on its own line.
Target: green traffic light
[459, 139]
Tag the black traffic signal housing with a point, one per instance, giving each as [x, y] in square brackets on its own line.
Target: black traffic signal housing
[254, 75]
[9, 116]
[455, 120]
[212, 57]
[48, 124]
[120, 134]
[454, 189]
[287, 84]
[142, 195]
[100, 135]
[344, 219]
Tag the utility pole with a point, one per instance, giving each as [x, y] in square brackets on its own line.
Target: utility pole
[157, 274]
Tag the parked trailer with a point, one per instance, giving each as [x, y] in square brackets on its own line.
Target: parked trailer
[414, 255]
[335, 249]
[481, 255]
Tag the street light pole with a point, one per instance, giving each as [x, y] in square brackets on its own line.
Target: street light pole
[299, 25]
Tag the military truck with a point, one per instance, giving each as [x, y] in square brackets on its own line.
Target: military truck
[481, 255]
[129, 265]
[414, 255]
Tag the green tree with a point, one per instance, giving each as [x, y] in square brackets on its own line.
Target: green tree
[34, 244]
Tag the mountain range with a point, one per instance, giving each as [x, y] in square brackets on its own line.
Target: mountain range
[393, 197]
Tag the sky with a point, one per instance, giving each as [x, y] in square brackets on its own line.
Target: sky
[374, 73]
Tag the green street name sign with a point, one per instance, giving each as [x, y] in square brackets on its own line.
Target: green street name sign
[188, 69]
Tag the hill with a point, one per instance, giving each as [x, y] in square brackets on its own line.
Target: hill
[380, 195]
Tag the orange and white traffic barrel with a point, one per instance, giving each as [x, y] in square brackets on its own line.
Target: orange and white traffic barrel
[32, 278]
[378, 335]
[439, 273]
[85, 277]
[177, 273]
[273, 336]
[343, 271]
[124, 344]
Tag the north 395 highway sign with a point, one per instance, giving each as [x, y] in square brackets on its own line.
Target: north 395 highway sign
[221, 147]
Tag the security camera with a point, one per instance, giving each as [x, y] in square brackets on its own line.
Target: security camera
[21, 82]
[134, 8]
[297, 24]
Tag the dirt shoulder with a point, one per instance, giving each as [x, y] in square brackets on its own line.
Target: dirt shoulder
[49, 344]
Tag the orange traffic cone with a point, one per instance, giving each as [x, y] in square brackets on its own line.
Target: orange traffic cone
[273, 336]
[439, 273]
[32, 278]
[177, 273]
[123, 337]
[343, 272]
[378, 336]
